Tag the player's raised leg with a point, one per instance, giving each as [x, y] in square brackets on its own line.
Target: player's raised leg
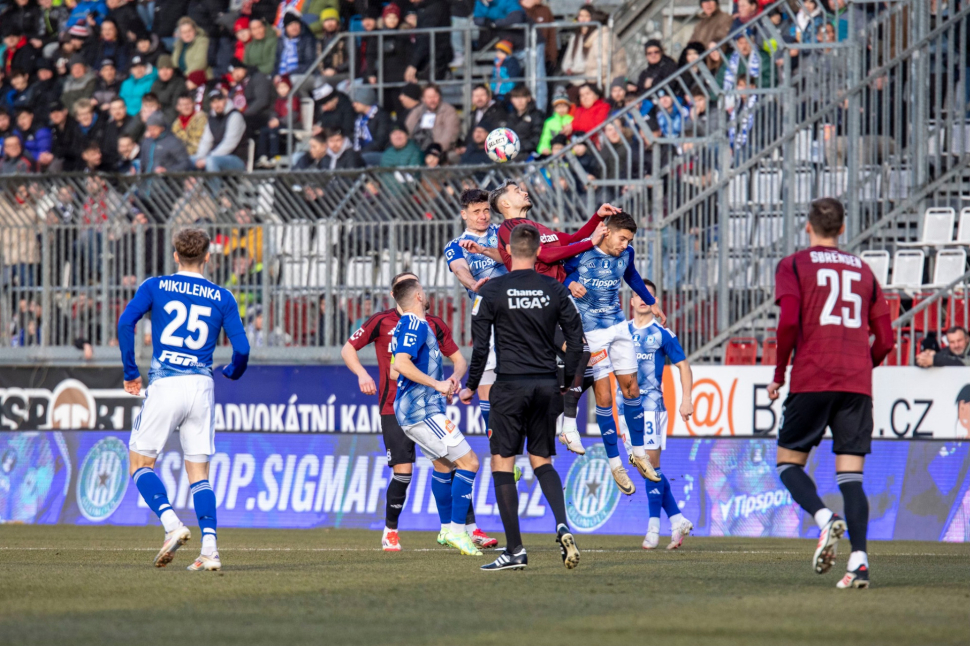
[608, 431]
[633, 414]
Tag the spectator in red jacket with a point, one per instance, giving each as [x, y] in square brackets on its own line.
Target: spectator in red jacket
[590, 113]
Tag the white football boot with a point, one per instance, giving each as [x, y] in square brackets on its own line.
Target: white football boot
[173, 540]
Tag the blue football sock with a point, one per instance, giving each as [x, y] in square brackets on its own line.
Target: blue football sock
[604, 419]
[655, 497]
[205, 507]
[669, 503]
[485, 408]
[152, 490]
[441, 490]
[461, 495]
[633, 414]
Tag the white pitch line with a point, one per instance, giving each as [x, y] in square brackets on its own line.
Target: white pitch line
[428, 549]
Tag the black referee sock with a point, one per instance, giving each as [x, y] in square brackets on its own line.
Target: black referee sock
[551, 485]
[507, 498]
[856, 507]
[397, 493]
[801, 486]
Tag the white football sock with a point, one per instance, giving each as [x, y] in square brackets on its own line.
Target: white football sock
[470, 528]
[653, 525]
[569, 425]
[170, 521]
[856, 559]
[639, 451]
[676, 519]
[386, 530]
[208, 544]
[458, 528]
[823, 516]
[615, 462]
[445, 527]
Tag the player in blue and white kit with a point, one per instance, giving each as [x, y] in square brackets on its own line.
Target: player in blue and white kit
[474, 269]
[654, 344]
[188, 312]
[420, 410]
[593, 278]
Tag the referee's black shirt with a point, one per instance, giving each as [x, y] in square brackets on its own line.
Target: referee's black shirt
[525, 308]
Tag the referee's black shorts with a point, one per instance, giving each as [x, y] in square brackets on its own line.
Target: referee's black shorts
[805, 416]
[524, 410]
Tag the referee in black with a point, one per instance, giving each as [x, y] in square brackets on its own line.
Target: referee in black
[525, 309]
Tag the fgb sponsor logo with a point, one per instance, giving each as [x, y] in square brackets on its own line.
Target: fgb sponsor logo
[177, 358]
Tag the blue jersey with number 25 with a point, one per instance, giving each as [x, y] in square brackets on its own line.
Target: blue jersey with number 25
[188, 312]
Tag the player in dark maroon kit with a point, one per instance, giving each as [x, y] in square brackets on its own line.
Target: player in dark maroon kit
[830, 304]
[378, 330]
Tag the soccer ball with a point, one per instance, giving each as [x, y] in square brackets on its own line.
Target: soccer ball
[502, 145]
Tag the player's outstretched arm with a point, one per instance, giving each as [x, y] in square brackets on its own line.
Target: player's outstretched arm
[552, 255]
[136, 308]
[589, 228]
[787, 336]
[686, 386]
[459, 267]
[237, 337]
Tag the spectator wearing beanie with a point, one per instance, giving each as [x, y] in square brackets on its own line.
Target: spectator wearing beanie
[34, 137]
[408, 99]
[261, 49]
[372, 128]
[18, 53]
[168, 86]
[138, 84]
[433, 156]
[285, 8]
[190, 122]
[335, 110]
[397, 51]
[160, 151]
[148, 47]
[296, 49]
[191, 51]
[80, 83]
[336, 64]
[243, 35]
[314, 11]
[195, 84]
[505, 69]
[560, 118]
[402, 151]
[659, 66]
[107, 86]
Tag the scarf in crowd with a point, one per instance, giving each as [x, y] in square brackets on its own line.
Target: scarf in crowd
[731, 74]
[671, 123]
[290, 60]
[741, 126]
[362, 133]
[184, 121]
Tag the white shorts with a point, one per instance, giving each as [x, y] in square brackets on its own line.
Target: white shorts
[439, 438]
[488, 377]
[611, 350]
[654, 430]
[185, 403]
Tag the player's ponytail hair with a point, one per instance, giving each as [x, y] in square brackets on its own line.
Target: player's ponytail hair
[191, 245]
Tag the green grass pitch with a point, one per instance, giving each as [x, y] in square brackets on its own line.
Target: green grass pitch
[75, 585]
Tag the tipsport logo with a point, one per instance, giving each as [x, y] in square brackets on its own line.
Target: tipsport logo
[591, 495]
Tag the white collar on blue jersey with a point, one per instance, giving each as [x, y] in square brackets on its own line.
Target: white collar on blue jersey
[190, 273]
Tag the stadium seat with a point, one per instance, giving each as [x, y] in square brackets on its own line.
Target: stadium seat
[957, 312]
[360, 272]
[937, 228]
[425, 268]
[294, 272]
[894, 305]
[878, 261]
[804, 186]
[899, 184]
[318, 273]
[927, 320]
[834, 182]
[804, 142]
[767, 187]
[769, 351]
[741, 351]
[738, 192]
[908, 269]
[963, 228]
[950, 264]
[388, 269]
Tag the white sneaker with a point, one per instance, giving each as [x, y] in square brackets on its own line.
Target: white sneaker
[457, 61]
[206, 563]
[679, 533]
[569, 437]
[651, 540]
[391, 542]
[173, 540]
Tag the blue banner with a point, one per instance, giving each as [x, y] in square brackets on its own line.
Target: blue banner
[727, 487]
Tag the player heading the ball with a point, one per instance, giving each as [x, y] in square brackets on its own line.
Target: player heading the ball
[188, 313]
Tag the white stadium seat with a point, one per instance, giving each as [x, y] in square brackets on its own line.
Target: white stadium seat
[937, 229]
[908, 268]
[878, 261]
[963, 229]
[424, 267]
[950, 265]
[360, 272]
